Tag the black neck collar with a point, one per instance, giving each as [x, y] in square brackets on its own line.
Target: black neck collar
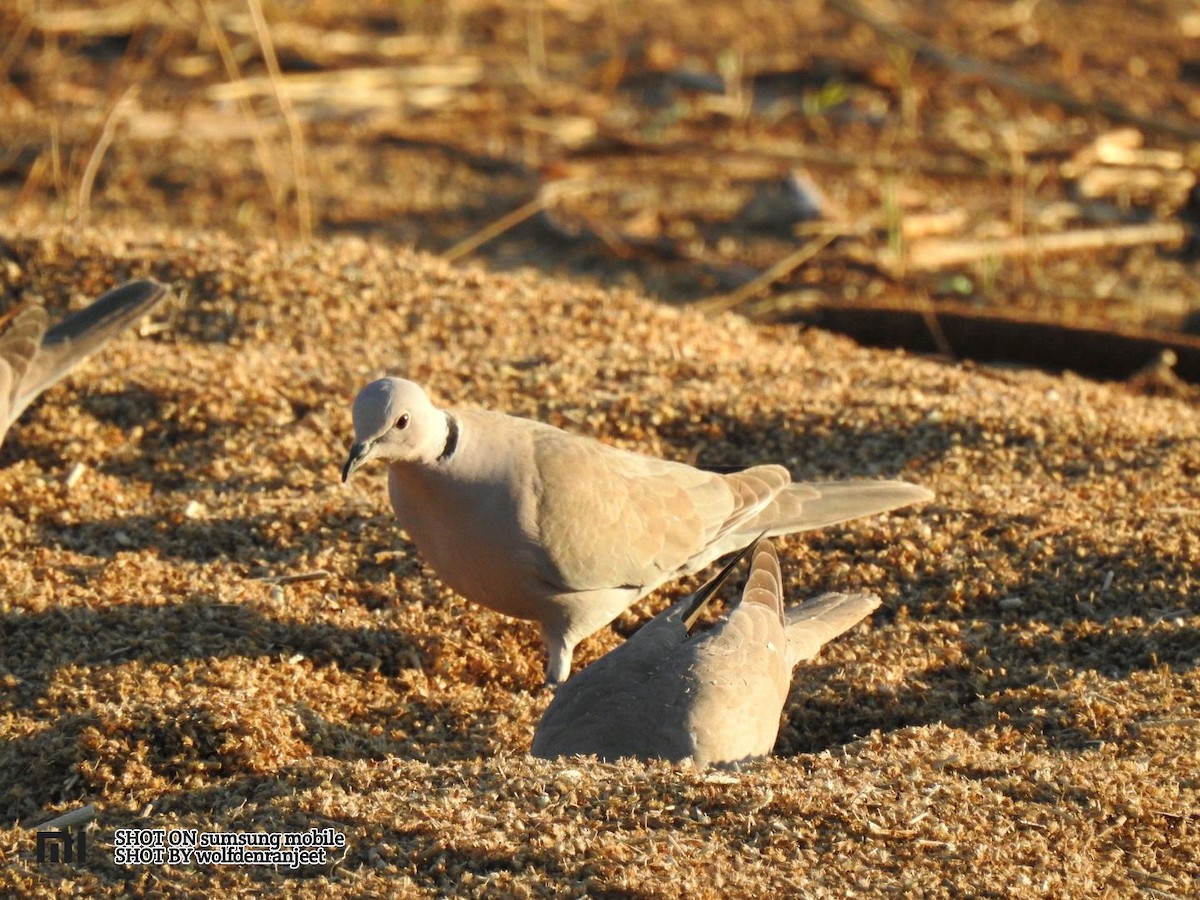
[451, 438]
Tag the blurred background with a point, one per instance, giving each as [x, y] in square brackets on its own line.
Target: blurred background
[985, 180]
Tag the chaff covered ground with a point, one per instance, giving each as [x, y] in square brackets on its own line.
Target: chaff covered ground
[1020, 718]
[200, 628]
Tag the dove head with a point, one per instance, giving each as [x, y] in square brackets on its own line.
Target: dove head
[395, 421]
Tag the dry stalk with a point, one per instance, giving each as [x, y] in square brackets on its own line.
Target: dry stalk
[295, 132]
[936, 253]
[88, 181]
[256, 128]
[498, 227]
[723, 302]
[545, 196]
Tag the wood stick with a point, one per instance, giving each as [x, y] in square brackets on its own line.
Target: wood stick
[723, 302]
[74, 817]
[938, 253]
[1108, 352]
[315, 575]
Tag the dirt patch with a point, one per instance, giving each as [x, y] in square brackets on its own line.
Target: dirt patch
[1029, 158]
[1019, 717]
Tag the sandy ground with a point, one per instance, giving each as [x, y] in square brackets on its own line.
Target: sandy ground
[202, 629]
[1020, 718]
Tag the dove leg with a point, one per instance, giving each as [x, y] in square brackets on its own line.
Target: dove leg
[558, 657]
[568, 619]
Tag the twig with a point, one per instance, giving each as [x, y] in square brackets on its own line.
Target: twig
[256, 130]
[723, 302]
[501, 225]
[295, 133]
[88, 181]
[936, 253]
[545, 196]
[1005, 77]
[74, 817]
[315, 575]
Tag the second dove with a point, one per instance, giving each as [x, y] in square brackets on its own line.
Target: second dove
[541, 524]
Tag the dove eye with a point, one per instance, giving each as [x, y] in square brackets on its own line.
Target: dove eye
[402, 422]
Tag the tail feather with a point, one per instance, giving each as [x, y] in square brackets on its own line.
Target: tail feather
[813, 624]
[82, 333]
[112, 312]
[19, 344]
[797, 509]
[765, 584]
[698, 601]
[22, 338]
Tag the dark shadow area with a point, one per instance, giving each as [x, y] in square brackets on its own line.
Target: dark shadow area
[264, 544]
[78, 751]
[1108, 353]
[234, 791]
[170, 440]
[434, 861]
[243, 540]
[36, 647]
[132, 407]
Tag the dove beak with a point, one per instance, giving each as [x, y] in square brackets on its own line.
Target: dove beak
[359, 454]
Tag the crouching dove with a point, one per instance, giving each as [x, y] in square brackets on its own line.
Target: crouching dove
[540, 524]
[673, 692]
[33, 358]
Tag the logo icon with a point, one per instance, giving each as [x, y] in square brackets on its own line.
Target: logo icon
[64, 839]
[60, 845]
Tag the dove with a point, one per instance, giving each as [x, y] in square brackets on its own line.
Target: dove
[33, 358]
[675, 692]
[562, 529]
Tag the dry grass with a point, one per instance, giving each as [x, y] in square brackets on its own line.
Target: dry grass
[1019, 719]
[455, 127]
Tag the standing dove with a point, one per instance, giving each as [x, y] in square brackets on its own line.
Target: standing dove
[540, 524]
[33, 358]
[672, 692]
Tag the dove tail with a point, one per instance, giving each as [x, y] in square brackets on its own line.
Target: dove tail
[700, 599]
[817, 622]
[816, 504]
[19, 344]
[112, 312]
[764, 586]
[80, 334]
